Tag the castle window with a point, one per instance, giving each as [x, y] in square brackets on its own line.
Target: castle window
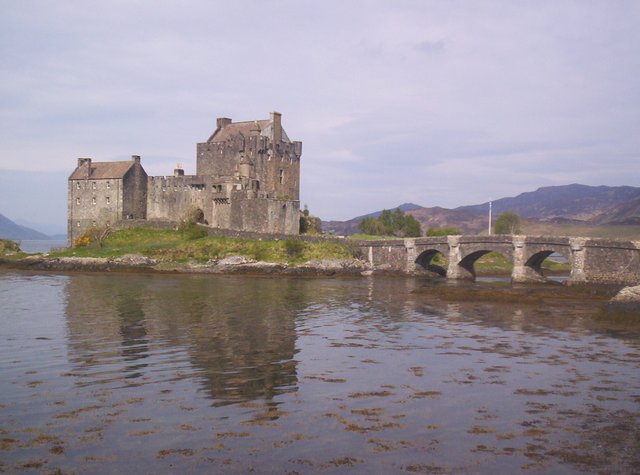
[281, 176]
[93, 185]
[77, 185]
[78, 224]
[108, 200]
[77, 201]
[93, 200]
[108, 185]
[93, 224]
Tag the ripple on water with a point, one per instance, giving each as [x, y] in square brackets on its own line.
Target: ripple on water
[141, 373]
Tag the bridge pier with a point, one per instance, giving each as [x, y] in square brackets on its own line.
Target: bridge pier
[456, 271]
[523, 273]
[577, 247]
[410, 247]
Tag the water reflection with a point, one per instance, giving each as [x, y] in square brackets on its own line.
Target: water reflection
[210, 374]
[238, 337]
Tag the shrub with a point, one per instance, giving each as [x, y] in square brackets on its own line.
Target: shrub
[82, 241]
[446, 231]
[309, 224]
[7, 245]
[294, 248]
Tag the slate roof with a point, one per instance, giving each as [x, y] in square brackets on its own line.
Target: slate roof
[102, 170]
[245, 128]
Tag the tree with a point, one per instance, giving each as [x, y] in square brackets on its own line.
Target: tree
[412, 227]
[508, 223]
[372, 226]
[391, 223]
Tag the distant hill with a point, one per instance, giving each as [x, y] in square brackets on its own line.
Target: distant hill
[568, 204]
[11, 230]
[624, 213]
[468, 222]
[571, 203]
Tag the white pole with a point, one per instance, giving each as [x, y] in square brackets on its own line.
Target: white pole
[490, 206]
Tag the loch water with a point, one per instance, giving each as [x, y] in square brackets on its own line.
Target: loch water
[144, 373]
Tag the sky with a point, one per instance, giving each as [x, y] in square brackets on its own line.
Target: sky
[438, 103]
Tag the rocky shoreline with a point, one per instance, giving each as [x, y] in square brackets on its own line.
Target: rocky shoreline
[228, 265]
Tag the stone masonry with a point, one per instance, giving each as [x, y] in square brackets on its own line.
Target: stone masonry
[247, 179]
[592, 261]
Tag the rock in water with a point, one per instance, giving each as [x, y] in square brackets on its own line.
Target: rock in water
[628, 299]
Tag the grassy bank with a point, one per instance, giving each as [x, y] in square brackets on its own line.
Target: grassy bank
[582, 230]
[193, 245]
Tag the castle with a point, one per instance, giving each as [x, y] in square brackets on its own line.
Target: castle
[247, 179]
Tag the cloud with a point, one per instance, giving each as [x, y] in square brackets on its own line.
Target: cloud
[430, 46]
[430, 102]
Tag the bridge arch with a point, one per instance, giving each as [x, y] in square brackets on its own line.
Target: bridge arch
[426, 258]
[536, 257]
[468, 262]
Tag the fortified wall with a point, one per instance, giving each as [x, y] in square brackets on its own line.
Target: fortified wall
[247, 179]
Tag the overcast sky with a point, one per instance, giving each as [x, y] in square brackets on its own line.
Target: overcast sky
[439, 103]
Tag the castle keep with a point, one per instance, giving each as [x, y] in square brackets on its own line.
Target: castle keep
[247, 179]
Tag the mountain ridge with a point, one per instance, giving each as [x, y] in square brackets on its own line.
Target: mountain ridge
[11, 230]
[563, 204]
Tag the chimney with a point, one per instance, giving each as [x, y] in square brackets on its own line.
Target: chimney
[276, 119]
[222, 122]
[135, 158]
[82, 161]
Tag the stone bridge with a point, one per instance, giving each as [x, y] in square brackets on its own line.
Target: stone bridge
[598, 261]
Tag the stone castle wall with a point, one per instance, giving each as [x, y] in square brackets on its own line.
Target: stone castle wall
[134, 192]
[172, 197]
[247, 179]
[93, 203]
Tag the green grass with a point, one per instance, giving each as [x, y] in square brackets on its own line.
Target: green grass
[370, 237]
[603, 231]
[496, 264]
[493, 263]
[188, 245]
